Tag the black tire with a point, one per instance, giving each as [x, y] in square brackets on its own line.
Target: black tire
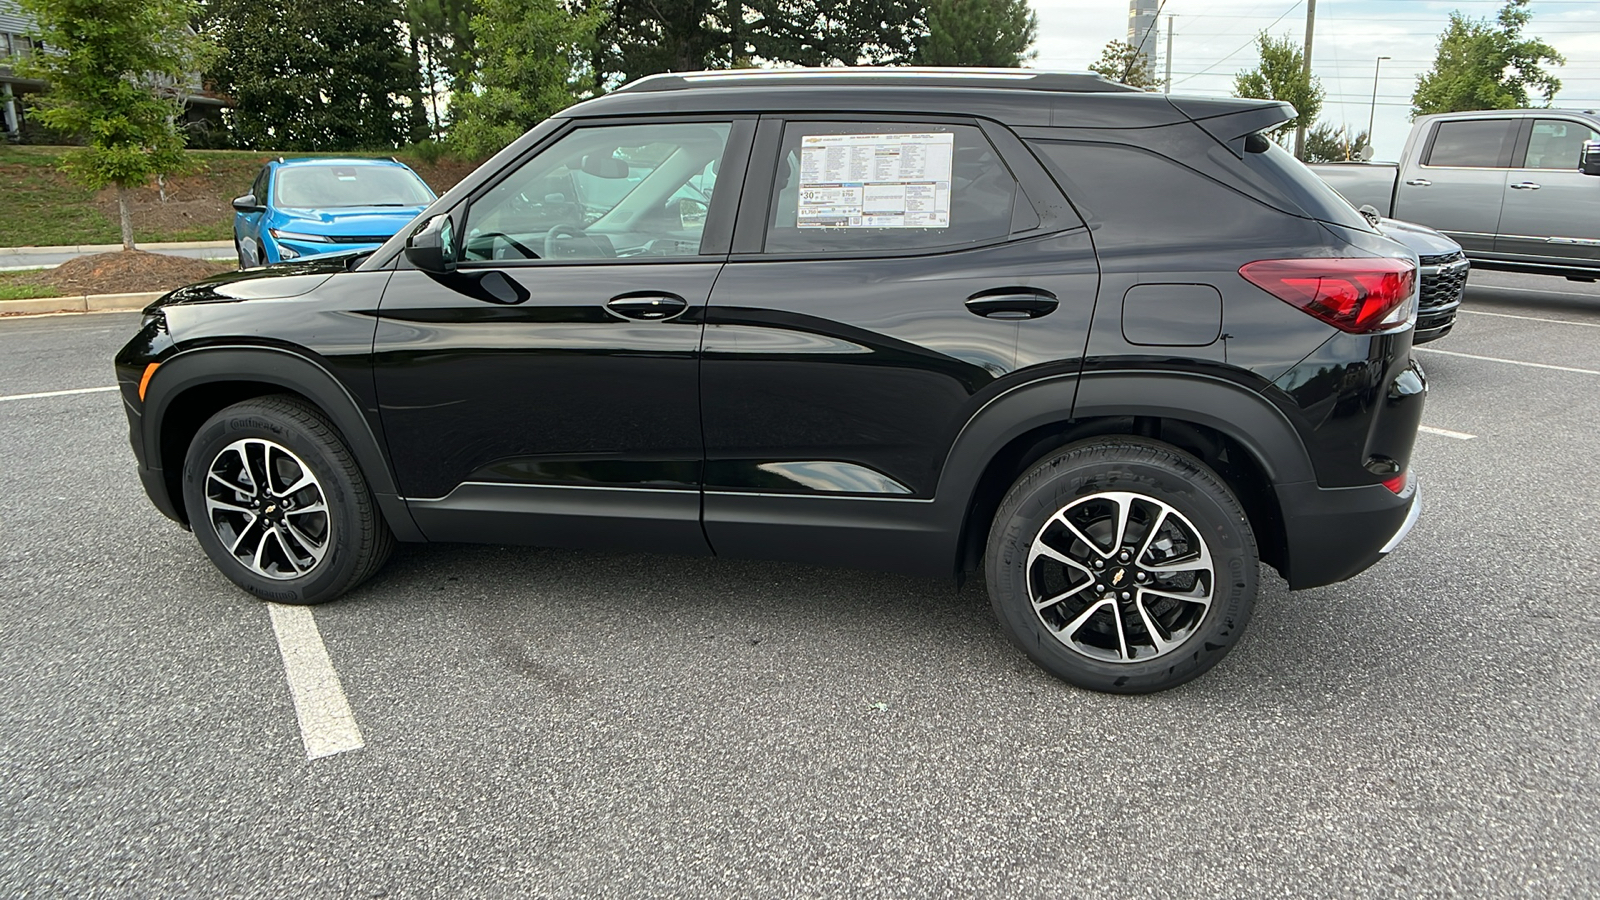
[238, 248]
[1195, 619]
[238, 443]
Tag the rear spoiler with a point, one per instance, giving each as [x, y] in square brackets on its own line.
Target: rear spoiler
[1231, 121]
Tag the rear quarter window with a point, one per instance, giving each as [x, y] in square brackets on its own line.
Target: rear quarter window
[1278, 168]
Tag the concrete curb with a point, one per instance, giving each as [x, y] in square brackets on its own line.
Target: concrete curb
[87, 303]
[84, 249]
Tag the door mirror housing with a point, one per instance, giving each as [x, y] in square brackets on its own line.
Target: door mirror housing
[1589, 161]
[247, 203]
[432, 247]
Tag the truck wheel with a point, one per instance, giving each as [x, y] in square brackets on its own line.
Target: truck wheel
[1122, 565]
[279, 505]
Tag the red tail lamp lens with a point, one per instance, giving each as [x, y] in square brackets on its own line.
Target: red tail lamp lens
[1355, 295]
[1399, 483]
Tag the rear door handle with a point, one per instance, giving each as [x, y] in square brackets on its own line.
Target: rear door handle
[1420, 182]
[1525, 186]
[1012, 303]
[647, 306]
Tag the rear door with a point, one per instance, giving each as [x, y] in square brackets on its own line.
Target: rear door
[883, 269]
[547, 392]
[1552, 210]
[1459, 183]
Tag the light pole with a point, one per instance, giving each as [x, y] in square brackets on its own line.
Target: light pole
[1372, 113]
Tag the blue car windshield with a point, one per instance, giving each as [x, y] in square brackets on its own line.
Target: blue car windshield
[331, 187]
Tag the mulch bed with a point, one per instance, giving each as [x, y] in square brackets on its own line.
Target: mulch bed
[128, 272]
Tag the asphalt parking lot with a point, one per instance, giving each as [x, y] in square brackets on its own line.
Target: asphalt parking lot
[564, 724]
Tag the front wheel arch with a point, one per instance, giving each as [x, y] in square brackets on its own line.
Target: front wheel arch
[191, 386]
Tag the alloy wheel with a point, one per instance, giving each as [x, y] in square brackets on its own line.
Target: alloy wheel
[267, 508]
[1120, 577]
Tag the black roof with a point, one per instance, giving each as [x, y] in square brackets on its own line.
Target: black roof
[862, 76]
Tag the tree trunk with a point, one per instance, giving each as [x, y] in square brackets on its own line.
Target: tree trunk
[126, 216]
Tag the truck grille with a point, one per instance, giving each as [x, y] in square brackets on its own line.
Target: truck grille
[1444, 280]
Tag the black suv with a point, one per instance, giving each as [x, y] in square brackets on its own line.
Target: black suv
[1111, 347]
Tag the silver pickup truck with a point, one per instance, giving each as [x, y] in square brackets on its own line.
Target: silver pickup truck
[1518, 189]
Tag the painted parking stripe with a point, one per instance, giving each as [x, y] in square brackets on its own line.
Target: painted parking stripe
[1445, 432]
[1509, 362]
[327, 725]
[1479, 312]
[37, 396]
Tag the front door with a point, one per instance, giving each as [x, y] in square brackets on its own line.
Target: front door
[546, 392]
[1552, 210]
[882, 272]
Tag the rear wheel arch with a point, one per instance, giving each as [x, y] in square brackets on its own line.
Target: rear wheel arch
[190, 387]
[1235, 431]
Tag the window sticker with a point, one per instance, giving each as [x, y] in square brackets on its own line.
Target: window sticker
[875, 180]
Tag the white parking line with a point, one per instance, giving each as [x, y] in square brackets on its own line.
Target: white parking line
[327, 726]
[57, 393]
[1479, 312]
[1445, 432]
[1511, 362]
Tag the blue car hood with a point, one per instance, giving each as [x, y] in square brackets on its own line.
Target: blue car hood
[354, 221]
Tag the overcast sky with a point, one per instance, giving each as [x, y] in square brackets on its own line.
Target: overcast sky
[1214, 40]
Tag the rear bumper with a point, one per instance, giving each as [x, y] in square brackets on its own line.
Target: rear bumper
[1337, 533]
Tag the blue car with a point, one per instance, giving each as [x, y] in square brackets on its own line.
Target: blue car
[306, 207]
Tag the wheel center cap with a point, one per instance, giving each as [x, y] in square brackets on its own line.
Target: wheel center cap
[273, 507]
[1118, 576]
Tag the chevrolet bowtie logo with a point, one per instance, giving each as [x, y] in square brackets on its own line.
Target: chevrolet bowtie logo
[1117, 578]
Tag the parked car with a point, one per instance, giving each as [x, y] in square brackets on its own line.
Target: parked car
[1519, 190]
[1443, 273]
[1108, 348]
[307, 207]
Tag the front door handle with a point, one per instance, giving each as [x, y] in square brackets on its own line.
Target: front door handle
[1525, 186]
[1012, 303]
[1420, 182]
[647, 306]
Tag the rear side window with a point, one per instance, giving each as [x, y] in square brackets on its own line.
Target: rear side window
[1479, 144]
[1299, 184]
[847, 187]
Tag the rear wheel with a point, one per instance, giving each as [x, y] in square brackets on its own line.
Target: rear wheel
[279, 505]
[1122, 565]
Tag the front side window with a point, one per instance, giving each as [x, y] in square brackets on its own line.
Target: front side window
[607, 192]
[1557, 144]
[335, 186]
[853, 187]
[1478, 144]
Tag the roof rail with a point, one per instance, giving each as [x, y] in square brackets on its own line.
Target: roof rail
[860, 76]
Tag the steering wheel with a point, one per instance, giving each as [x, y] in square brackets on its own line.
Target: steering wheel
[556, 233]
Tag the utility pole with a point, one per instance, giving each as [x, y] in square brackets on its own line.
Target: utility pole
[1167, 89]
[1372, 112]
[1311, 25]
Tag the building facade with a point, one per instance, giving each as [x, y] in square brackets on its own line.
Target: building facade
[1143, 32]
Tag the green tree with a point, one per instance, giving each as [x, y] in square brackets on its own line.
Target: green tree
[836, 32]
[315, 77]
[1282, 76]
[441, 43]
[111, 65]
[532, 61]
[643, 37]
[1487, 65]
[1326, 143]
[978, 33]
[1125, 63]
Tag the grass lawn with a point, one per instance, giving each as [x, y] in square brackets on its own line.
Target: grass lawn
[42, 207]
[23, 285]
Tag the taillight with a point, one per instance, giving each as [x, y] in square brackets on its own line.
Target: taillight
[1398, 483]
[1360, 296]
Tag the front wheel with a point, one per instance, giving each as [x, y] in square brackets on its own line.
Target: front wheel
[278, 503]
[1122, 565]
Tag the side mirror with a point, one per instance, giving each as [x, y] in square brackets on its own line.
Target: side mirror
[432, 247]
[1371, 214]
[1589, 161]
[247, 203]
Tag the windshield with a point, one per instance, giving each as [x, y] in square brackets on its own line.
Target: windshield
[328, 187]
